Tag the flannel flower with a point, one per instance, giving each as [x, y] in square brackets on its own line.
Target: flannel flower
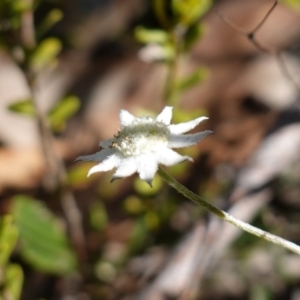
[144, 142]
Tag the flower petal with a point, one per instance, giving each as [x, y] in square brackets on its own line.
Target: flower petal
[186, 126]
[126, 118]
[99, 156]
[127, 167]
[165, 116]
[108, 164]
[107, 143]
[180, 140]
[147, 166]
[168, 157]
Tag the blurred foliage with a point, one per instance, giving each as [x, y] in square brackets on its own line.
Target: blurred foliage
[294, 4]
[77, 175]
[62, 111]
[23, 107]
[148, 36]
[52, 18]
[43, 241]
[57, 116]
[193, 79]
[11, 275]
[98, 216]
[45, 53]
[10, 15]
[179, 31]
[188, 12]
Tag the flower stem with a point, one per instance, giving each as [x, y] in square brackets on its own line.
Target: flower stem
[227, 217]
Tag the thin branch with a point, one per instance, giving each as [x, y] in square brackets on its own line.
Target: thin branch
[227, 217]
[252, 38]
[56, 177]
[261, 23]
[27, 28]
[231, 24]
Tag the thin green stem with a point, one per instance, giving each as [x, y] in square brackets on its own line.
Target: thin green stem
[170, 85]
[171, 89]
[227, 217]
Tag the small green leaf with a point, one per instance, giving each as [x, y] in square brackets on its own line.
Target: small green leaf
[195, 78]
[8, 238]
[133, 205]
[98, 216]
[151, 36]
[294, 4]
[43, 241]
[160, 10]
[61, 112]
[20, 6]
[190, 11]
[13, 282]
[193, 34]
[77, 174]
[24, 107]
[45, 53]
[54, 16]
[152, 220]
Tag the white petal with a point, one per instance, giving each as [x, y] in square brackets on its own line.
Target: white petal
[108, 164]
[168, 157]
[126, 118]
[165, 116]
[179, 141]
[127, 167]
[185, 127]
[147, 166]
[107, 143]
[99, 156]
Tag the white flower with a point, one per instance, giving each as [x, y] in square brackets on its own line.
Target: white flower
[143, 143]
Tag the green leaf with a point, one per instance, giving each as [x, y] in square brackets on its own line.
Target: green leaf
[294, 4]
[193, 34]
[190, 11]
[62, 111]
[77, 174]
[160, 10]
[151, 36]
[54, 16]
[8, 238]
[98, 216]
[19, 6]
[133, 205]
[151, 220]
[13, 282]
[43, 241]
[24, 107]
[195, 78]
[45, 53]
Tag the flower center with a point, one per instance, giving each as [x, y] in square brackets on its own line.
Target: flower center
[144, 135]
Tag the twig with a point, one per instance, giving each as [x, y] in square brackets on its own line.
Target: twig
[252, 38]
[227, 217]
[261, 23]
